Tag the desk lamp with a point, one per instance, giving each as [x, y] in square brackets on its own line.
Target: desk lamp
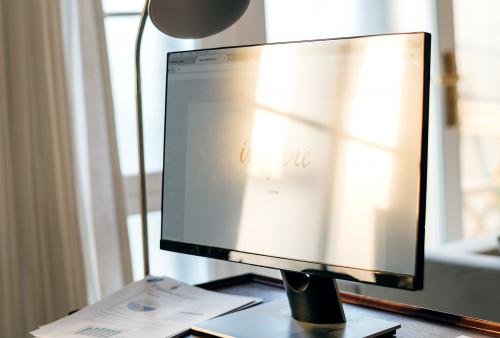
[185, 19]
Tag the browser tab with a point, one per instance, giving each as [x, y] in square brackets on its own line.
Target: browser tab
[182, 60]
[207, 59]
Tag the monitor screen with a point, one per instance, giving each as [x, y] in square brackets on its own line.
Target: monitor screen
[306, 156]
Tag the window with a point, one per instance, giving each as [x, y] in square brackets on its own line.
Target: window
[478, 63]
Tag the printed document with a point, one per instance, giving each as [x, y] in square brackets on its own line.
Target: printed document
[155, 307]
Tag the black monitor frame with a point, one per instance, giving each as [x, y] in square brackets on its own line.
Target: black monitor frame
[376, 277]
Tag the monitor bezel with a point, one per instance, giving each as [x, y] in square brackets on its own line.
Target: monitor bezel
[376, 277]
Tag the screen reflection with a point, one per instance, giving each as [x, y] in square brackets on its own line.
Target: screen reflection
[308, 151]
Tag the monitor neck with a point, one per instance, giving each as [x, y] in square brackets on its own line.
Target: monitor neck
[313, 299]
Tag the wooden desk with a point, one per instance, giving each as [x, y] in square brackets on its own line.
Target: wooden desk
[415, 322]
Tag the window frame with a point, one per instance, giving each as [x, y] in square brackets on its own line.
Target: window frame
[451, 226]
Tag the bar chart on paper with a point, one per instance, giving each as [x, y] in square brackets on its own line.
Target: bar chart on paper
[98, 332]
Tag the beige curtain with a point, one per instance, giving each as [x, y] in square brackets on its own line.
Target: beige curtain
[62, 220]
[42, 274]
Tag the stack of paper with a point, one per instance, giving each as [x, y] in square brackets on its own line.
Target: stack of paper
[153, 307]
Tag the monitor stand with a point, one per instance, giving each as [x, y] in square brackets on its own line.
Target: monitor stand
[315, 306]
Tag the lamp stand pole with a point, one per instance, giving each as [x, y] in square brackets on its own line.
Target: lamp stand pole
[140, 141]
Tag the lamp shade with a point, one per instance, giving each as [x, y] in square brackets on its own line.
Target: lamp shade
[192, 19]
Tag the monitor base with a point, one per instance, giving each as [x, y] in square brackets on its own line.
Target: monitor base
[274, 320]
[314, 309]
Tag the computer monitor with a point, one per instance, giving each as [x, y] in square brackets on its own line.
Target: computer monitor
[309, 157]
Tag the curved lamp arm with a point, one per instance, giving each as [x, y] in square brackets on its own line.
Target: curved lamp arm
[140, 139]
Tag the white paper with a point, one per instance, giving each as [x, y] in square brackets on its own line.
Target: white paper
[153, 307]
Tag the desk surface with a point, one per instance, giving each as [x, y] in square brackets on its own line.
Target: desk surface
[415, 322]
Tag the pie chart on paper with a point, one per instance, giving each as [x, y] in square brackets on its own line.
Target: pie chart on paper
[143, 305]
